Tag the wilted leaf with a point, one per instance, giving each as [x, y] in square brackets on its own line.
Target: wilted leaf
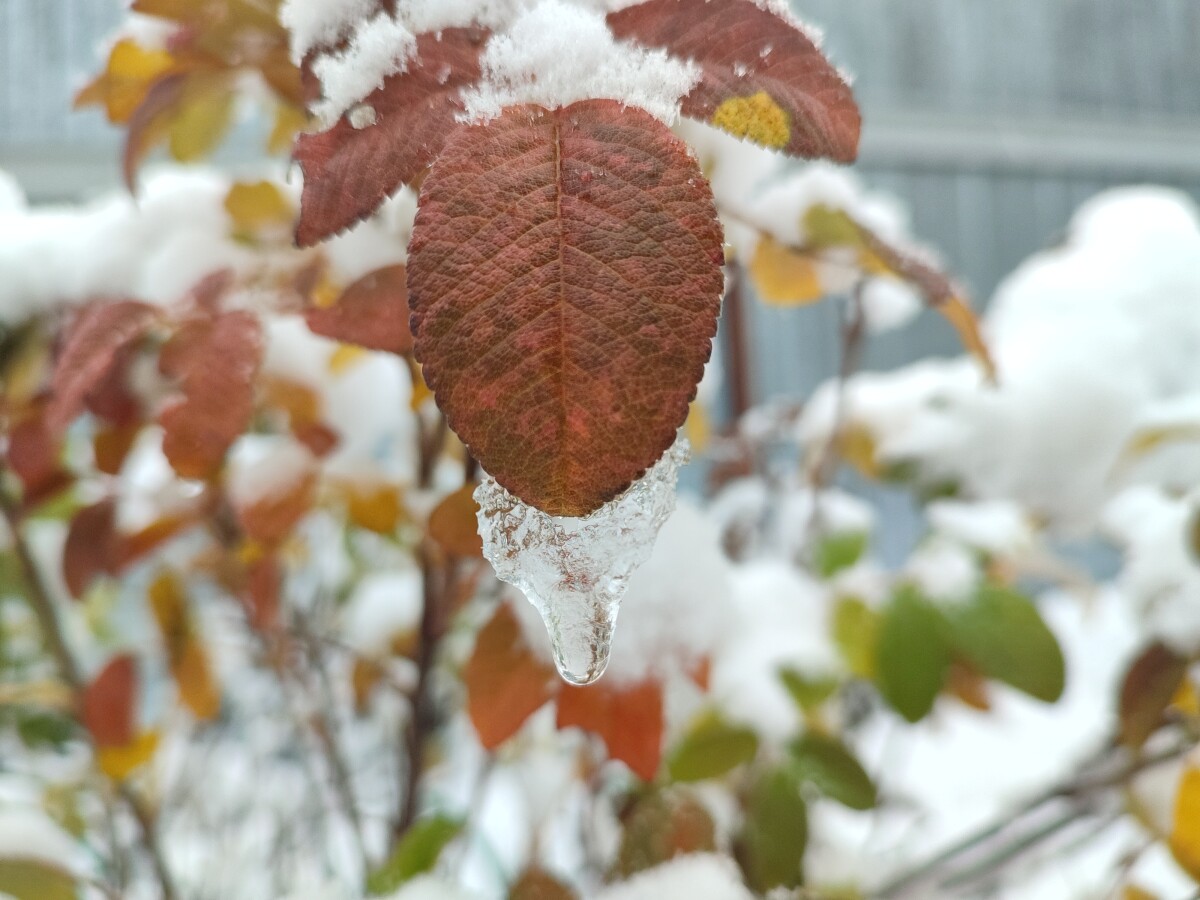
[764, 79]
[417, 852]
[186, 656]
[35, 879]
[349, 172]
[538, 884]
[1185, 829]
[711, 748]
[1001, 632]
[629, 719]
[107, 707]
[660, 826]
[783, 276]
[856, 633]
[215, 360]
[1150, 685]
[771, 845]
[91, 546]
[505, 682]
[371, 313]
[454, 526]
[826, 763]
[565, 359]
[913, 656]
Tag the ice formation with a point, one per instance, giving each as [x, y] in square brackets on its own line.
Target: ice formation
[575, 570]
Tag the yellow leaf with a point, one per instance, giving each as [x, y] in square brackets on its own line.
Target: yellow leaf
[1186, 700]
[254, 206]
[289, 121]
[25, 878]
[345, 356]
[757, 117]
[782, 276]
[201, 119]
[1185, 829]
[375, 507]
[1134, 892]
[123, 84]
[827, 226]
[856, 445]
[186, 656]
[420, 390]
[698, 427]
[118, 763]
[962, 317]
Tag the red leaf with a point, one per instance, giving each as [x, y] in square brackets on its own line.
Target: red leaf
[107, 708]
[215, 359]
[565, 280]
[271, 518]
[261, 594]
[629, 720]
[33, 454]
[94, 344]
[505, 682]
[763, 78]
[349, 172]
[91, 547]
[372, 313]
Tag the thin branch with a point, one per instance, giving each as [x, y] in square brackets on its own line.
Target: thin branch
[737, 366]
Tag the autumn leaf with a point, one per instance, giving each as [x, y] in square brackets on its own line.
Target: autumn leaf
[29, 878]
[91, 546]
[505, 682]
[107, 707]
[272, 516]
[628, 718]
[150, 123]
[538, 884]
[186, 656]
[255, 207]
[564, 308]
[122, 86]
[349, 172]
[1184, 840]
[659, 826]
[372, 313]
[33, 454]
[215, 359]
[96, 338]
[1149, 686]
[454, 526]
[783, 276]
[764, 79]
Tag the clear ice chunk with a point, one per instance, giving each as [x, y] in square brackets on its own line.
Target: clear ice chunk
[575, 570]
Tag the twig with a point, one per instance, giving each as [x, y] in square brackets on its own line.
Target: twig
[736, 343]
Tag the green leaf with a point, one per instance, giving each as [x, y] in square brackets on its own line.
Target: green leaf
[836, 552]
[827, 226]
[1001, 632]
[828, 765]
[33, 879]
[43, 728]
[711, 748]
[416, 853]
[913, 655]
[856, 633]
[809, 692]
[771, 845]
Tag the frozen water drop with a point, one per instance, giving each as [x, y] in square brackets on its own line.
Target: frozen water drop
[575, 570]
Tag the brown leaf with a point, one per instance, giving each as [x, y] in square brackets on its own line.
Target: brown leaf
[186, 656]
[349, 172]
[91, 547]
[271, 518]
[629, 719]
[763, 78]
[150, 123]
[215, 360]
[34, 456]
[564, 307]
[453, 524]
[505, 682]
[538, 884]
[371, 313]
[262, 592]
[111, 445]
[1148, 689]
[107, 707]
[94, 342]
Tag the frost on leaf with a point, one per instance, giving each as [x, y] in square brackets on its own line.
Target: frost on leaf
[575, 570]
[565, 279]
[764, 79]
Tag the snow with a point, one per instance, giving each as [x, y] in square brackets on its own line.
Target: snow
[555, 54]
[383, 606]
[314, 23]
[379, 47]
[698, 876]
[28, 833]
[263, 467]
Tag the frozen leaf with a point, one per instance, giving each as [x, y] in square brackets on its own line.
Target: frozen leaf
[35, 879]
[1150, 685]
[629, 719]
[659, 826]
[107, 708]
[1001, 632]
[91, 547]
[186, 656]
[215, 360]
[711, 748]
[913, 655]
[371, 313]
[1185, 830]
[575, 570]
[417, 852]
[505, 682]
[349, 172]
[771, 845]
[826, 763]
[565, 279]
[454, 523]
[93, 345]
[763, 80]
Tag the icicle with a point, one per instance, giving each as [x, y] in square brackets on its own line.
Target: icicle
[575, 570]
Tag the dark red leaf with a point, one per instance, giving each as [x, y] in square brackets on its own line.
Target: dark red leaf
[215, 360]
[33, 454]
[763, 77]
[91, 547]
[628, 719]
[108, 706]
[1149, 686]
[372, 313]
[349, 172]
[565, 279]
[262, 593]
[95, 342]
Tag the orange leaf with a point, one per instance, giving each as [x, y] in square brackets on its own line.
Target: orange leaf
[107, 706]
[628, 719]
[764, 79]
[505, 682]
[371, 313]
[271, 518]
[565, 362]
[453, 523]
[186, 656]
